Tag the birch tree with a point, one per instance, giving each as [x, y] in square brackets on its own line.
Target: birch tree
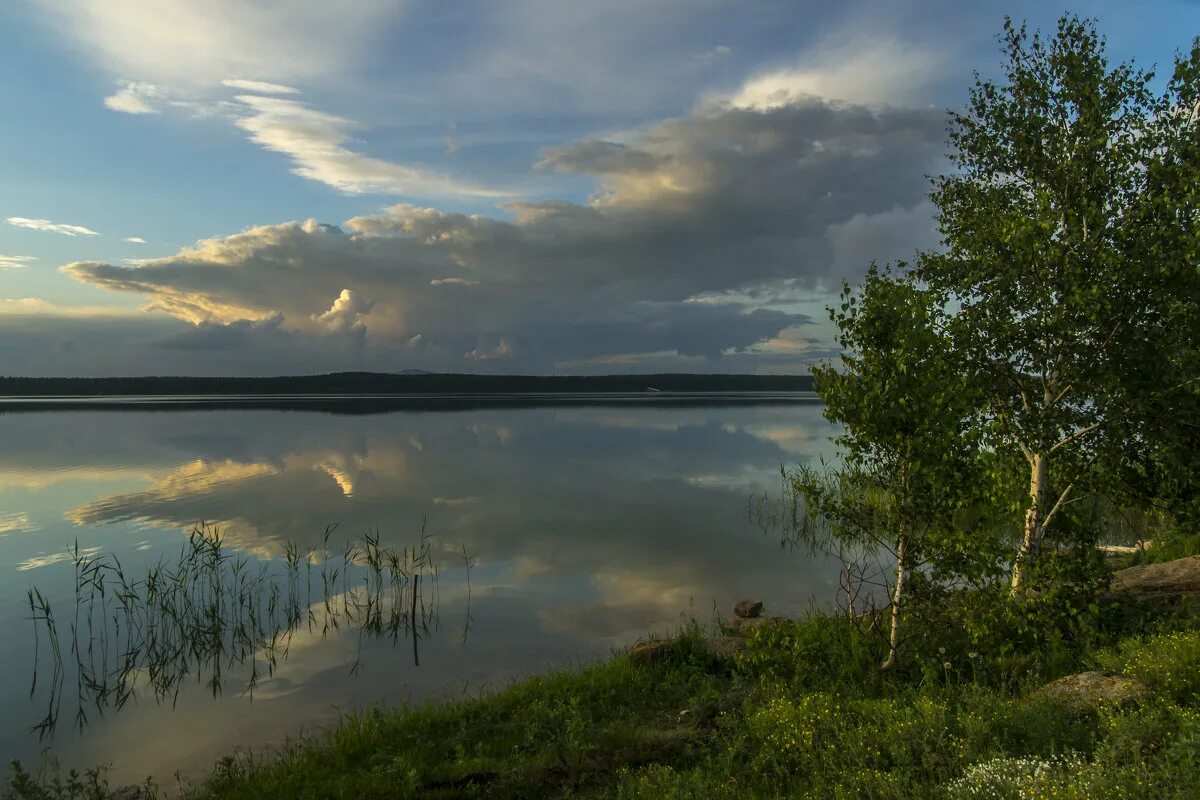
[1052, 256]
[904, 405]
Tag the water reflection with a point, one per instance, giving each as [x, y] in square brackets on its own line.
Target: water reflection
[587, 527]
[210, 611]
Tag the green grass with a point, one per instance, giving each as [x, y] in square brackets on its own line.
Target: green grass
[802, 713]
[564, 732]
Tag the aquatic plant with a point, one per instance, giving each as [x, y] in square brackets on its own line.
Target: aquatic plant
[212, 611]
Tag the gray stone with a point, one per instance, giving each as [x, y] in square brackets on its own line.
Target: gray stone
[129, 792]
[747, 609]
[1088, 691]
[724, 648]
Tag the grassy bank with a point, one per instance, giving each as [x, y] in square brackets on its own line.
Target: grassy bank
[803, 711]
[794, 715]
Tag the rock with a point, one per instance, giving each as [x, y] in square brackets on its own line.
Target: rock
[1088, 691]
[129, 792]
[747, 609]
[1180, 577]
[650, 651]
[724, 648]
[721, 648]
[741, 625]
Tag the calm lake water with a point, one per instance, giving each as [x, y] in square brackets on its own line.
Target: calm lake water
[584, 528]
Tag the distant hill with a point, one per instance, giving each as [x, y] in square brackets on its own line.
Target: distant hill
[406, 382]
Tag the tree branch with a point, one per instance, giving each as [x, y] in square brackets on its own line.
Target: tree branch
[1059, 504]
[1073, 437]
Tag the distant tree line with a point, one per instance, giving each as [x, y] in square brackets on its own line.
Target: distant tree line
[351, 383]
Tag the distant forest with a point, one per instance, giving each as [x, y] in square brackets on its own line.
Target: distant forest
[350, 383]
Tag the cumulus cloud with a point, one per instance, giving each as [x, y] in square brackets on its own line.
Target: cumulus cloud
[134, 240]
[51, 227]
[316, 143]
[861, 67]
[346, 314]
[501, 349]
[15, 262]
[719, 205]
[259, 87]
[134, 97]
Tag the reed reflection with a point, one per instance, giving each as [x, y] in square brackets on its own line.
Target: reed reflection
[213, 616]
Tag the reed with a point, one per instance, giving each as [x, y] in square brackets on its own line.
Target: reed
[212, 615]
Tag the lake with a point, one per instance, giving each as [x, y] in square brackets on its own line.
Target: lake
[555, 531]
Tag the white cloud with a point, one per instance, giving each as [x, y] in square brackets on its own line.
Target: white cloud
[18, 522]
[346, 313]
[854, 68]
[202, 42]
[453, 282]
[134, 240]
[51, 227]
[316, 143]
[46, 560]
[134, 97]
[717, 54]
[15, 262]
[259, 87]
[502, 349]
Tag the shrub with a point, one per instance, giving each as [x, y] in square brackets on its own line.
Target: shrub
[815, 653]
[1169, 664]
[1026, 778]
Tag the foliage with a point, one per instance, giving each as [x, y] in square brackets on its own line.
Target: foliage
[909, 477]
[1168, 663]
[1067, 174]
[50, 784]
[1023, 778]
[91, 785]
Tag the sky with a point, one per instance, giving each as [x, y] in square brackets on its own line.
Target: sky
[262, 187]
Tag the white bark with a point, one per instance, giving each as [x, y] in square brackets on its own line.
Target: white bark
[1039, 473]
[897, 596]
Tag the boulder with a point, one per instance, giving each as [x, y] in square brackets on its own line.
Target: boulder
[129, 792]
[724, 648]
[721, 648]
[1088, 691]
[740, 625]
[747, 609]
[1180, 577]
[650, 651]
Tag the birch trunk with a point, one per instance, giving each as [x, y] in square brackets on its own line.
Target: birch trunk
[897, 594]
[1039, 473]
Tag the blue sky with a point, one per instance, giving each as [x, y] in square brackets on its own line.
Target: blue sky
[476, 186]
